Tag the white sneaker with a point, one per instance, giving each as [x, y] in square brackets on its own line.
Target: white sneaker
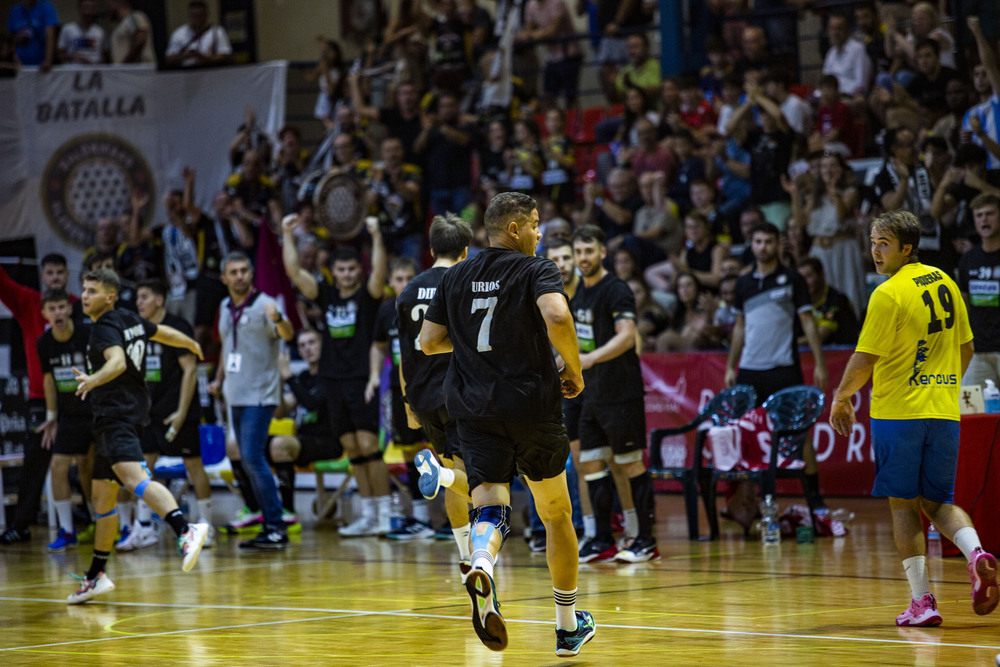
[210, 538]
[189, 544]
[144, 536]
[90, 588]
[381, 526]
[360, 527]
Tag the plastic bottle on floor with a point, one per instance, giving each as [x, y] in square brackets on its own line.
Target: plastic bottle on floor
[770, 530]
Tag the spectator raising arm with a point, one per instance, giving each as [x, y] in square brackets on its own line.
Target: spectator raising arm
[301, 278]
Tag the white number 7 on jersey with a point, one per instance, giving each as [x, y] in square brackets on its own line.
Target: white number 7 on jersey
[483, 342]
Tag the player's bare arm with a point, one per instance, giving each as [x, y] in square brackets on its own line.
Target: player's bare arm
[174, 338]
[820, 375]
[623, 341]
[114, 365]
[434, 338]
[858, 370]
[562, 334]
[304, 282]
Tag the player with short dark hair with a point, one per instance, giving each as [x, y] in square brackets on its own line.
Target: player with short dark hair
[423, 380]
[115, 385]
[613, 420]
[916, 344]
[498, 314]
[68, 430]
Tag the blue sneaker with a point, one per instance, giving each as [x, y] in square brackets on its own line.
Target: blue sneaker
[63, 541]
[486, 618]
[569, 642]
[430, 473]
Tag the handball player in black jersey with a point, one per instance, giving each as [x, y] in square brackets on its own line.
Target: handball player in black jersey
[115, 387]
[499, 314]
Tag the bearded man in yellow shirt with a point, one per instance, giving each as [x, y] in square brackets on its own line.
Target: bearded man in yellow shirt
[916, 338]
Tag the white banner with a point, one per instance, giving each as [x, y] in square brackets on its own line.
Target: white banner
[74, 143]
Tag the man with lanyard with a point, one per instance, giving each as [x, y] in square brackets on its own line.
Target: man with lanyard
[249, 378]
[69, 428]
[612, 423]
[350, 307]
[115, 386]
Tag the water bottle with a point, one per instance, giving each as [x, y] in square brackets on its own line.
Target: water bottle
[933, 542]
[991, 397]
[770, 531]
[397, 513]
[843, 515]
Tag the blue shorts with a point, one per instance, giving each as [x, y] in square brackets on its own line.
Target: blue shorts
[915, 457]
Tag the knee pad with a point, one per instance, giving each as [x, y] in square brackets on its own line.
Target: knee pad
[140, 488]
[497, 516]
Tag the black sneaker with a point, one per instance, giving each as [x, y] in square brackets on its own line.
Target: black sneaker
[639, 551]
[267, 540]
[537, 543]
[13, 536]
[594, 551]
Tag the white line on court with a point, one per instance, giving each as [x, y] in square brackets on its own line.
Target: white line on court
[349, 613]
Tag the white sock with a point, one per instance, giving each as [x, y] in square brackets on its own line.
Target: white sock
[589, 526]
[483, 560]
[916, 574]
[125, 510]
[967, 539]
[143, 514]
[384, 506]
[631, 523]
[64, 509]
[565, 609]
[462, 539]
[420, 511]
[368, 508]
[446, 477]
[204, 510]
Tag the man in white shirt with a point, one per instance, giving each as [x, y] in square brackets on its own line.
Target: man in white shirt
[847, 59]
[796, 111]
[83, 42]
[198, 44]
[982, 122]
[132, 38]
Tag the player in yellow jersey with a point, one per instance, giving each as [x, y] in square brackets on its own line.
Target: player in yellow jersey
[917, 339]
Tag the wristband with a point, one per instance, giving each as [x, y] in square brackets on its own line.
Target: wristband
[51, 416]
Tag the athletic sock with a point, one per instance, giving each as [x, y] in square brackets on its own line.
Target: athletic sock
[286, 484]
[483, 560]
[125, 514]
[204, 510]
[589, 526]
[246, 489]
[967, 539]
[462, 540]
[64, 510]
[383, 507]
[642, 496]
[143, 514]
[420, 510]
[916, 574]
[565, 609]
[177, 521]
[368, 509]
[631, 523]
[98, 563]
[446, 476]
[601, 497]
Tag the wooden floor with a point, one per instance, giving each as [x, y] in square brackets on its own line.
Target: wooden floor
[328, 601]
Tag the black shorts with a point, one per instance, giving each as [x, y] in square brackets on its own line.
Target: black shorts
[767, 382]
[346, 406]
[187, 443]
[117, 441]
[74, 436]
[562, 76]
[496, 451]
[209, 293]
[312, 448]
[612, 430]
[442, 431]
[402, 434]
[572, 407]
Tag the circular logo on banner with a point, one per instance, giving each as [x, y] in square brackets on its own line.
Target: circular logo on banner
[92, 176]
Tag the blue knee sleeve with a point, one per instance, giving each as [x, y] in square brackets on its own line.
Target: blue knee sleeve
[141, 487]
[114, 511]
[497, 517]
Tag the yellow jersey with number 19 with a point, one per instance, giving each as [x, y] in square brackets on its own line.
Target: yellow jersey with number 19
[916, 324]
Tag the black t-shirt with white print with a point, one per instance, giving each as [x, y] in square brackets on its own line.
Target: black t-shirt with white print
[59, 358]
[387, 332]
[125, 397]
[350, 324]
[164, 374]
[424, 374]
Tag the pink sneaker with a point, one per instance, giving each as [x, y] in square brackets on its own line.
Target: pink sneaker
[983, 573]
[921, 613]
